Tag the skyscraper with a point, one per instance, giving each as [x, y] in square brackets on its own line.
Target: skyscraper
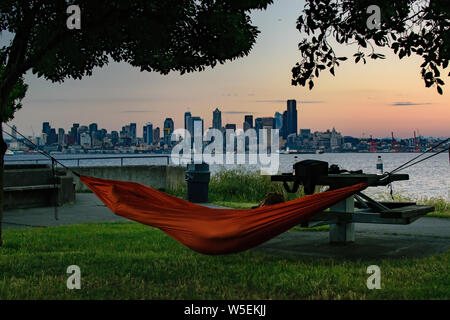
[258, 124]
[168, 130]
[248, 122]
[188, 122]
[284, 129]
[217, 119]
[133, 134]
[61, 136]
[292, 118]
[278, 121]
[46, 128]
[156, 135]
[93, 127]
[148, 133]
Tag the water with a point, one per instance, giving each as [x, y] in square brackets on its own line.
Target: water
[430, 178]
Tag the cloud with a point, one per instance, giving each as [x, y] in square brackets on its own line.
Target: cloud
[285, 101]
[238, 112]
[138, 111]
[408, 103]
[97, 100]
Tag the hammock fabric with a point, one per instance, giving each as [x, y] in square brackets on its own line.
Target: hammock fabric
[206, 230]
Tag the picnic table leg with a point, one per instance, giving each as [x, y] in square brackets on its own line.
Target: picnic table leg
[343, 232]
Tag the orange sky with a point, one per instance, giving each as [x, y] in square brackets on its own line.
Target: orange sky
[359, 100]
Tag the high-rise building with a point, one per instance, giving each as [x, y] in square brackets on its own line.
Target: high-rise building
[156, 136]
[230, 126]
[46, 128]
[188, 122]
[114, 137]
[133, 133]
[217, 119]
[85, 140]
[61, 137]
[278, 121]
[292, 117]
[258, 124]
[148, 133]
[248, 122]
[74, 134]
[197, 122]
[168, 130]
[284, 128]
[93, 127]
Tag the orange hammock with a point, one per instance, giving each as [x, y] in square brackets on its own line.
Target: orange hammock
[206, 230]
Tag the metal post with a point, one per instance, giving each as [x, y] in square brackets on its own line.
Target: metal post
[343, 232]
[121, 161]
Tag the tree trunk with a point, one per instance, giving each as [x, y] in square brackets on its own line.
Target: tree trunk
[3, 148]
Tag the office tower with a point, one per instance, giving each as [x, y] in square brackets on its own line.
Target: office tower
[133, 134]
[52, 137]
[188, 122]
[284, 128]
[85, 140]
[168, 130]
[230, 126]
[148, 133]
[197, 122]
[268, 123]
[93, 127]
[74, 134]
[292, 117]
[83, 129]
[217, 119]
[248, 122]
[114, 137]
[46, 128]
[156, 135]
[258, 124]
[197, 137]
[278, 121]
[61, 137]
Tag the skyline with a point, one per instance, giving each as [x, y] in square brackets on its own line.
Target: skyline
[376, 98]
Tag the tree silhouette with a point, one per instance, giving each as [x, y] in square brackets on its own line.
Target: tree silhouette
[406, 27]
[154, 35]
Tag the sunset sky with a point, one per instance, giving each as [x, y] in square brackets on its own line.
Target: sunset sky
[376, 98]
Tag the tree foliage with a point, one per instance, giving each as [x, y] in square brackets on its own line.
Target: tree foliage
[14, 100]
[154, 35]
[421, 27]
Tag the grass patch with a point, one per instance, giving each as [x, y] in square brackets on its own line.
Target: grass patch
[132, 261]
[240, 185]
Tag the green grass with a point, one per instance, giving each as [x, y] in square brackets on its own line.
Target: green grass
[132, 261]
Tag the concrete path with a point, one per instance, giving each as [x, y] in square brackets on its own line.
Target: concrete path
[424, 237]
[86, 209]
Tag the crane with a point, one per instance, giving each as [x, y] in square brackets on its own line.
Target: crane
[373, 145]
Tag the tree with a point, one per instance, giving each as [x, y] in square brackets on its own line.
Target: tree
[154, 35]
[406, 27]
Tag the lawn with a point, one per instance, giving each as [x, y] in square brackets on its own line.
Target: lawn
[132, 261]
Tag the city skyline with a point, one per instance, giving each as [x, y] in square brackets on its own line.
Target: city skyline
[373, 99]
